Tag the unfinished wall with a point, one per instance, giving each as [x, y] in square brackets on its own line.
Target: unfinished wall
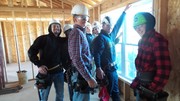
[173, 35]
[27, 32]
[2, 81]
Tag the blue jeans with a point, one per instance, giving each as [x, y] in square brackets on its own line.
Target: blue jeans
[58, 80]
[77, 96]
[113, 87]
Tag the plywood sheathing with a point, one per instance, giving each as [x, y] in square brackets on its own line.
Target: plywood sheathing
[173, 35]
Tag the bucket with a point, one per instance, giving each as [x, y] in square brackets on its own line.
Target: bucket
[22, 77]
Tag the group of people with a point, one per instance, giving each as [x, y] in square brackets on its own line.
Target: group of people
[85, 44]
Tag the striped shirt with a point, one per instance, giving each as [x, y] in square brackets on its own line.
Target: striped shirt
[79, 51]
[153, 56]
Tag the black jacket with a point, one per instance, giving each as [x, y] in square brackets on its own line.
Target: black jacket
[50, 50]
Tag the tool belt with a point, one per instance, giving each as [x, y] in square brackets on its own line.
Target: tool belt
[110, 67]
[81, 85]
[145, 77]
[148, 94]
[55, 69]
[112, 64]
[42, 81]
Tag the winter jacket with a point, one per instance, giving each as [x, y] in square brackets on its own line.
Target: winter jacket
[47, 50]
[104, 45]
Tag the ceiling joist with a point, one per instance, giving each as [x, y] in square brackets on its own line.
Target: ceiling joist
[31, 9]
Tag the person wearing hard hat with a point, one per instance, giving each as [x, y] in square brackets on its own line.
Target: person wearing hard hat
[96, 28]
[89, 35]
[152, 63]
[46, 54]
[67, 29]
[68, 63]
[104, 54]
[80, 55]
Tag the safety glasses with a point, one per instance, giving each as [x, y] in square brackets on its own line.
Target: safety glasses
[83, 17]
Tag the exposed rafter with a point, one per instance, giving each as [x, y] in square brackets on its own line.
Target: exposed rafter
[44, 7]
[34, 9]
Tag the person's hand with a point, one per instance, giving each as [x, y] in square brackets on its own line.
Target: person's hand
[42, 69]
[100, 73]
[92, 83]
[127, 7]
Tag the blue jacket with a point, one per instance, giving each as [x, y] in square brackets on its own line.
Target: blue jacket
[104, 45]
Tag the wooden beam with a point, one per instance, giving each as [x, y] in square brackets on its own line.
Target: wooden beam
[78, 1]
[98, 4]
[16, 42]
[10, 3]
[85, 3]
[6, 44]
[67, 2]
[89, 2]
[4, 55]
[56, 4]
[22, 42]
[71, 1]
[99, 13]
[26, 3]
[63, 20]
[38, 4]
[30, 9]
[51, 9]
[160, 11]
[97, 1]
[110, 7]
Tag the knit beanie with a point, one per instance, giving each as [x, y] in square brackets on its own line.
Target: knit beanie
[139, 19]
[144, 18]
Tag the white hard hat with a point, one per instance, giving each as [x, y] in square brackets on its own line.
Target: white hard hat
[95, 24]
[67, 27]
[88, 24]
[88, 27]
[53, 21]
[80, 9]
[107, 20]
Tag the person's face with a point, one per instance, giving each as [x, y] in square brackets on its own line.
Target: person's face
[56, 29]
[81, 20]
[95, 30]
[88, 29]
[106, 27]
[141, 29]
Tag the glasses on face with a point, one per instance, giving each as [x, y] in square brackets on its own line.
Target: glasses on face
[83, 17]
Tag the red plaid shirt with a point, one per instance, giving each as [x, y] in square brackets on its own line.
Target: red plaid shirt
[79, 51]
[153, 56]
